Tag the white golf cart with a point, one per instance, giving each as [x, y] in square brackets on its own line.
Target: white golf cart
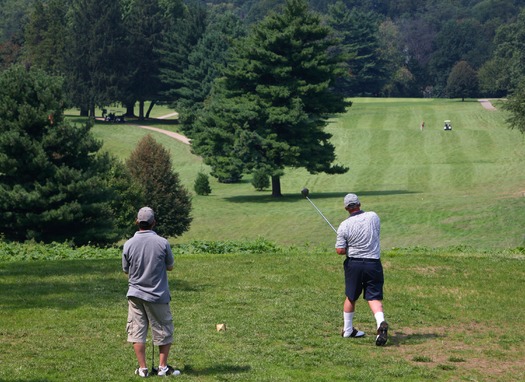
[448, 125]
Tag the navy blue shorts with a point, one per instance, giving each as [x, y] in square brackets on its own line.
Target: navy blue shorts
[363, 276]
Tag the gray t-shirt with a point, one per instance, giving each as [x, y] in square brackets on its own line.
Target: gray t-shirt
[359, 234]
[145, 259]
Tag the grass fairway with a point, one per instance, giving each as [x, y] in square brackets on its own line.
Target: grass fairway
[454, 316]
[452, 209]
[433, 188]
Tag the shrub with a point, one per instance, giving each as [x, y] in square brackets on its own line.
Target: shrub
[260, 180]
[202, 184]
[150, 166]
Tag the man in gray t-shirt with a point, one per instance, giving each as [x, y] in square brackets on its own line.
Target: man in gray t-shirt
[146, 258]
[358, 241]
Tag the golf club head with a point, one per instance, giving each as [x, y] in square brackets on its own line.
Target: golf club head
[154, 371]
[305, 192]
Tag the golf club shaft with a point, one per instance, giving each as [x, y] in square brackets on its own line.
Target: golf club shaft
[320, 213]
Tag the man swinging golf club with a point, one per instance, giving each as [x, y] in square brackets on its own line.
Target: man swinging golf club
[358, 240]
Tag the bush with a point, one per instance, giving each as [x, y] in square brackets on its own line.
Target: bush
[202, 184]
[150, 166]
[260, 180]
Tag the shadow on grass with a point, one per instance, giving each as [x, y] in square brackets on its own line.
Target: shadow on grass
[152, 121]
[216, 369]
[266, 197]
[400, 338]
[69, 284]
[63, 284]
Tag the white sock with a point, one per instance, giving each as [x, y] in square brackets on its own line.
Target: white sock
[380, 317]
[348, 322]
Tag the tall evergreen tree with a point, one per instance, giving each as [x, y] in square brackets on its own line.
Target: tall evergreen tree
[45, 45]
[54, 184]
[205, 63]
[178, 42]
[359, 34]
[270, 108]
[144, 22]
[97, 54]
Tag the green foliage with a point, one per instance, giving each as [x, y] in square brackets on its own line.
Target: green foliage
[53, 180]
[260, 180]
[359, 34]
[516, 106]
[45, 43]
[459, 40]
[270, 108]
[96, 55]
[202, 184]
[509, 54]
[150, 166]
[143, 22]
[128, 195]
[179, 39]
[462, 81]
[33, 251]
[203, 247]
[205, 63]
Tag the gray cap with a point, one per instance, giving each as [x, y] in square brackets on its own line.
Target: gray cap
[146, 215]
[351, 199]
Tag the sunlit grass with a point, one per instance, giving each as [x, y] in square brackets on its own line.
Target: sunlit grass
[65, 319]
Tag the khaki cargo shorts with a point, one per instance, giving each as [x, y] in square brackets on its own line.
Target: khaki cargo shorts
[140, 313]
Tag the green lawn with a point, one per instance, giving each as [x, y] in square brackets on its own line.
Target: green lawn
[454, 316]
[431, 188]
[452, 210]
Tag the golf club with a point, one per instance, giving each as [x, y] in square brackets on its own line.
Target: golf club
[305, 193]
[154, 370]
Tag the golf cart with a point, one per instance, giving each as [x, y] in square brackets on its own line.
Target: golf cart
[112, 117]
[448, 125]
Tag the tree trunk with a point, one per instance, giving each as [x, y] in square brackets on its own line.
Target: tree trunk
[130, 110]
[276, 186]
[150, 107]
[84, 112]
[141, 110]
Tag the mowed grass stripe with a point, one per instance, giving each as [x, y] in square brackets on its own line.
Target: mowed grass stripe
[430, 187]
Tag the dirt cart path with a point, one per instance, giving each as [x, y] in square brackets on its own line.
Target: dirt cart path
[171, 134]
[486, 104]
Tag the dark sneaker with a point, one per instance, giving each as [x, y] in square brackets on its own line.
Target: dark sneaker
[167, 371]
[353, 334]
[382, 334]
[142, 372]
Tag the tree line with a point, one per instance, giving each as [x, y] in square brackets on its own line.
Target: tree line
[171, 50]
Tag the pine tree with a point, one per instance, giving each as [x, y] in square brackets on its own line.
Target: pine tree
[271, 106]
[202, 184]
[359, 34]
[97, 54]
[144, 22]
[179, 40]
[205, 63]
[54, 183]
[45, 45]
[151, 168]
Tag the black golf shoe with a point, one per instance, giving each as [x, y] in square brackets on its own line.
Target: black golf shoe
[382, 334]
